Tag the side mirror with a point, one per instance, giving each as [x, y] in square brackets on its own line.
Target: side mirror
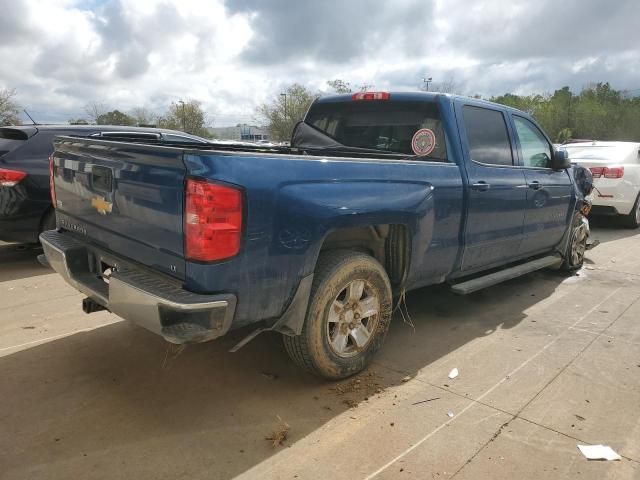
[560, 160]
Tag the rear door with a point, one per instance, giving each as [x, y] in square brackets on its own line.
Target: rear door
[496, 189]
[550, 194]
[126, 198]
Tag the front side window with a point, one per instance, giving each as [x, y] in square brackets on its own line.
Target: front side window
[487, 136]
[536, 151]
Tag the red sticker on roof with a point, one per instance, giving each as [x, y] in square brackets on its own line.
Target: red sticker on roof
[423, 142]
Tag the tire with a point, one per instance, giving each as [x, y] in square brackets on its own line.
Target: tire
[632, 220]
[574, 256]
[341, 332]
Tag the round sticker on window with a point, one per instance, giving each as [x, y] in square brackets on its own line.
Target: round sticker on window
[423, 142]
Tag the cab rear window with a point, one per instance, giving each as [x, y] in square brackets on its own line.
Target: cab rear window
[411, 128]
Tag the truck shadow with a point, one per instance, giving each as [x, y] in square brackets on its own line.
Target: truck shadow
[120, 398]
[20, 261]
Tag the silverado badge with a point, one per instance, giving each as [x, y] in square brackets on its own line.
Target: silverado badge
[101, 205]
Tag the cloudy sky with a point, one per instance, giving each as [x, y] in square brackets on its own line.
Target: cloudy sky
[234, 54]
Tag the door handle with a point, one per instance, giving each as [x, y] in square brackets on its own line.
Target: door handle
[536, 185]
[481, 186]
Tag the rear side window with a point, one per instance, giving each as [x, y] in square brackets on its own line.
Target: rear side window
[385, 125]
[487, 136]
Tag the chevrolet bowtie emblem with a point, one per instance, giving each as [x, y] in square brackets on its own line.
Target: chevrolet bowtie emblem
[101, 205]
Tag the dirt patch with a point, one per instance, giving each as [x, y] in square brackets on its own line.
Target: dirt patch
[358, 388]
[279, 434]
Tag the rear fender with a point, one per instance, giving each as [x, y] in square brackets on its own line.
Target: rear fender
[310, 212]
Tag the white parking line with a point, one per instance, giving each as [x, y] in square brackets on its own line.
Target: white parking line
[48, 339]
[516, 370]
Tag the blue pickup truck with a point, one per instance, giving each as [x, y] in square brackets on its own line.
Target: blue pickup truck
[379, 193]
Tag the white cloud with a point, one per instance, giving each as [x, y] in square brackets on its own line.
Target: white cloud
[60, 55]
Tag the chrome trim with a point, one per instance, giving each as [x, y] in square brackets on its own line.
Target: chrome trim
[144, 298]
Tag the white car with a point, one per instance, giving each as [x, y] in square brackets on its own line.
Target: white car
[616, 176]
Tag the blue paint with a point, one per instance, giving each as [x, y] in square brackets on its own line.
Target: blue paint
[294, 202]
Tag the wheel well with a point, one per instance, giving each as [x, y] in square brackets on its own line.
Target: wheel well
[387, 243]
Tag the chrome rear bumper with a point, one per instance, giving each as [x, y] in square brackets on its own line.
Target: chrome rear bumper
[150, 300]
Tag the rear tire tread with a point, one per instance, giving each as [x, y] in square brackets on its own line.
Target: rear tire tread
[298, 347]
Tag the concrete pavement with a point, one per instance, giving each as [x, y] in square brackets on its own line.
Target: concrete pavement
[546, 362]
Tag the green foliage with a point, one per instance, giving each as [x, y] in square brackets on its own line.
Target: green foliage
[8, 108]
[186, 116]
[115, 117]
[339, 86]
[143, 116]
[285, 110]
[78, 121]
[598, 112]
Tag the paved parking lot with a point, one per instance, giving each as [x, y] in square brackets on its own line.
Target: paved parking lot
[546, 362]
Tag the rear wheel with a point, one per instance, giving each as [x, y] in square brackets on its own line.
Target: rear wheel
[632, 220]
[348, 316]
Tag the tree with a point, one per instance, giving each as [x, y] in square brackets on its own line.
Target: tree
[78, 121]
[143, 116]
[446, 86]
[339, 86]
[186, 116]
[94, 110]
[599, 112]
[115, 117]
[285, 110]
[8, 108]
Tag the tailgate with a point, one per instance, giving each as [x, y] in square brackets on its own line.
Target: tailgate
[124, 198]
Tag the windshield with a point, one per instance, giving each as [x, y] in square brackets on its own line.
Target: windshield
[411, 128]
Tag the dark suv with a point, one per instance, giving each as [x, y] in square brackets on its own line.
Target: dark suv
[25, 203]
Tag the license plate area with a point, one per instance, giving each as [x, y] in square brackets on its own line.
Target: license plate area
[102, 266]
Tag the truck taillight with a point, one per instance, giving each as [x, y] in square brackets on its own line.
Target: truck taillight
[212, 221]
[10, 178]
[370, 96]
[52, 185]
[607, 172]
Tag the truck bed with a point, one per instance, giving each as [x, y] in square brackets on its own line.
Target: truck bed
[292, 203]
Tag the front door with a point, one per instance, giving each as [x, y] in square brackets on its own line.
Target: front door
[549, 192]
[496, 189]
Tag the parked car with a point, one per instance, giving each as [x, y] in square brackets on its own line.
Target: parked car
[378, 194]
[25, 203]
[616, 171]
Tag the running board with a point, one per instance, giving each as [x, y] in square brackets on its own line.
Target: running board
[479, 283]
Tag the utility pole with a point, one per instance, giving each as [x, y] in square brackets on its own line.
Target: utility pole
[184, 128]
[426, 82]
